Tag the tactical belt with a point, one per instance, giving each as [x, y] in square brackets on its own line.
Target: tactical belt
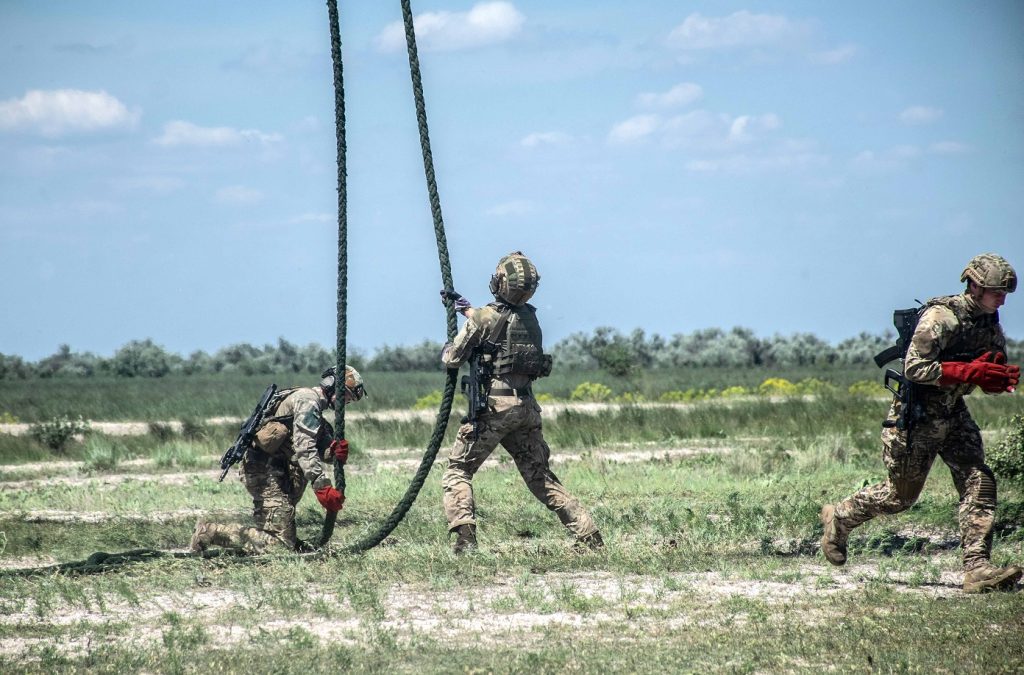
[519, 393]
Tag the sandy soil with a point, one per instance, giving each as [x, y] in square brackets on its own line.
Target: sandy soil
[518, 609]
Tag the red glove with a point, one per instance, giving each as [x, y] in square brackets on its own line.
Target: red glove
[989, 371]
[339, 448]
[329, 498]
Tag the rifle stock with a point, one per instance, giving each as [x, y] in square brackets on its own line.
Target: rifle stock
[246, 433]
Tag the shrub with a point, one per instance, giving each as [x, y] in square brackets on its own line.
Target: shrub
[431, 400]
[594, 392]
[676, 396]
[867, 388]
[1007, 457]
[631, 398]
[778, 386]
[729, 392]
[814, 386]
[58, 432]
[194, 430]
[160, 431]
[182, 455]
[545, 398]
[8, 418]
[102, 454]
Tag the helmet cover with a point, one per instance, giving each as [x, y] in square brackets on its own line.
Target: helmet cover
[515, 280]
[353, 382]
[990, 271]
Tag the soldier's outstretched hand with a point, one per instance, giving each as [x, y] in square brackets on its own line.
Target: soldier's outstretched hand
[339, 448]
[462, 305]
[330, 498]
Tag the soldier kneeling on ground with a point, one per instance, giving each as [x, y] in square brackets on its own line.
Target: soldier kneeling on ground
[290, 451]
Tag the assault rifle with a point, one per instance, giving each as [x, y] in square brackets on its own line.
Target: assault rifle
[895, 381]
[477, 384]
[247, 432]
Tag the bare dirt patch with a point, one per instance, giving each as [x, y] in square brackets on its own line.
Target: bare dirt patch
[516, 609]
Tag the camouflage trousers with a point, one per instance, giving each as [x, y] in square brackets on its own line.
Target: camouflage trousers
[955, 438]
[515, 423]
[276, 486]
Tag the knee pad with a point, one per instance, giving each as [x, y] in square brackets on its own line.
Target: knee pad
[986, 486]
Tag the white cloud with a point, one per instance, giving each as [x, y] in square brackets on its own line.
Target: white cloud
[635, 128]
[832, 57]
[486, 23]
[517, 207]
[740, 29]
[696, 130]
[540, 138]
[680, 95]
[949, 148]
[65, 111]
[179, 133]
[715, 142]
[920, 114]
[896, 157]
[743, 127]
[743, 163]
[238, 194]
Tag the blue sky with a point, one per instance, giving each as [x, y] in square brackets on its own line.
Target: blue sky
[167, 170]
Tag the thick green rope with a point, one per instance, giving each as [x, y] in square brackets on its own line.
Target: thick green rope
[445, 409]
[340, 347]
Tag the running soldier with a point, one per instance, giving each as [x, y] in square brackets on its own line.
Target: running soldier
[958, 345]
[289, 452]
[505, 339]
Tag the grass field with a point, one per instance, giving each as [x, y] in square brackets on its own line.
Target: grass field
[709, 510]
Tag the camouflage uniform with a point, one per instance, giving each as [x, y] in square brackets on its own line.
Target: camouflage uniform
[513, 420]
[287, 458]
[949, 328]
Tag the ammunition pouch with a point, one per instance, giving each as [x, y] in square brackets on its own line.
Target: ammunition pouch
[530, 363]
[271, 437]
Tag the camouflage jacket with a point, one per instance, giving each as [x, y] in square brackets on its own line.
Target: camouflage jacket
[952, 327]
[302, 411]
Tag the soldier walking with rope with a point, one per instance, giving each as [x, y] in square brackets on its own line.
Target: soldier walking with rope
[504, 340]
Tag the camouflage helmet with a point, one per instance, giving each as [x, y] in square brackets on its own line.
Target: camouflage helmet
[991, 271]
[353, 382]
[515, 279]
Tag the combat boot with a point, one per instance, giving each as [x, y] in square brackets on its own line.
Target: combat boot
[591, 542]
[202, 537]
[987, 577]
[833, 540]
[465, 539]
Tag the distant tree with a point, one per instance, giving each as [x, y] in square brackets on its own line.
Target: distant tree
[232, 357]
[64, 363]
[14, 368]
[198, 363]
[1014, 350]
[799, 349]
[573, 353]
[424, 356]
[141, 358]
[862, 349]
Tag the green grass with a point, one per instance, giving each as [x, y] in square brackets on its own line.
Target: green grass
[681, 532]
[203, 396]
